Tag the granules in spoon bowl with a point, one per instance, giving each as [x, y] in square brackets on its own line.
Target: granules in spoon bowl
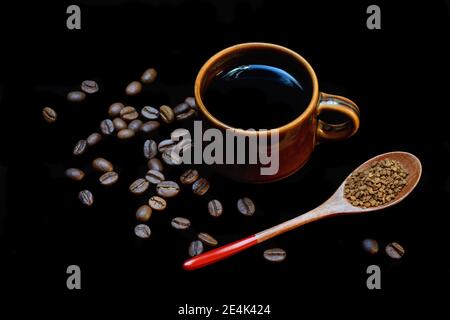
[376, 185]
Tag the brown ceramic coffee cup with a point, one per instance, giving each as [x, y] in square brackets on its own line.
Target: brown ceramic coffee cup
[296, 139]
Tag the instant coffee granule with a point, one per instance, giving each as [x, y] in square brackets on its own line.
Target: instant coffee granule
[377, 185]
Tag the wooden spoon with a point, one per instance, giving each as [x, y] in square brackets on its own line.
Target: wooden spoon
[336, 205]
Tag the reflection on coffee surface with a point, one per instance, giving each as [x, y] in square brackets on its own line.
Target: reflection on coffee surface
[257, 96]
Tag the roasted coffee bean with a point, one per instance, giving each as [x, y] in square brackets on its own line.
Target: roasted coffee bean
[154, 176]
[155, 164]
[275, 255]
[150, 149]
[102, 165]
[191, 102]
[125, 134]
[119, 124]
[114, 109]
[180, 223]
[129, 113]
[107, 127]
[395, 250]
[195, 248]
[109, 178]
[89, 86]
[166, 144]
[143, 213]
[215, 208]
[142, 231]
[150, 126]
[183, 146]
[86, 197]
[80, 147]
[157, 203]
[133, 88]
[166, 114]
[49, 114]
[93, 139]
[370, 246]
[135, 125]
[76, 96]
[246, 206]
[207, 239]
[167, 189]
[185, 115]
[189, 176]
[200, 187]
[181, 108]
[139, 186]
[150, 113]
[149, 76]
[171, 157]
[74, 174]
[180, 134]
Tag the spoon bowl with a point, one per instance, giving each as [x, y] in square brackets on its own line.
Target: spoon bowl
[336, 205]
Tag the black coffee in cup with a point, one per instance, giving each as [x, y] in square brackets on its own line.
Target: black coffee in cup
[257, 96]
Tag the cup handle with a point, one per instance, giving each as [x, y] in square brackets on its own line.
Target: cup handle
[338, 131]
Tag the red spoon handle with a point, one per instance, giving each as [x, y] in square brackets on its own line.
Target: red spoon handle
[220, 253]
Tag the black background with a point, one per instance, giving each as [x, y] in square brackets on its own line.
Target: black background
[398, 76]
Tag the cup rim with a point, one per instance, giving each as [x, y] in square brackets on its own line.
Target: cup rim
[247, 47]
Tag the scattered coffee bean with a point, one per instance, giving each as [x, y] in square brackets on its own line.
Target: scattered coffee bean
[135, 125]
[166, 114]
[125, 134]
[107, 127]
[149, 76]
[180, 223]
[133, 88]
[215, 208]
[185, 115]
[179, 133]
[377, 185]
[154, 176]
[150, 149]
[150, 113]
[246, 206]
[143, 213]
[157, 203]
[93, 139]
[80, 147]
[191, 102]
[395, 250]
[89, 86]
[189, 176]
[49, 114]
[76, 96]
[181, 108]
[102, 165]
[142, 231]
[74, 174]
[370, 246]
[155, 164]
[207, 239]
[109, 178]
[183, 146]
[139, 186]
[150, 126]
[119, 124]
[200, 187]
[172, 157]
[195, 248]
[167, 189]
[275, 255]
[129, 113]
[165, 145]
[114, 109]
[86, 197]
